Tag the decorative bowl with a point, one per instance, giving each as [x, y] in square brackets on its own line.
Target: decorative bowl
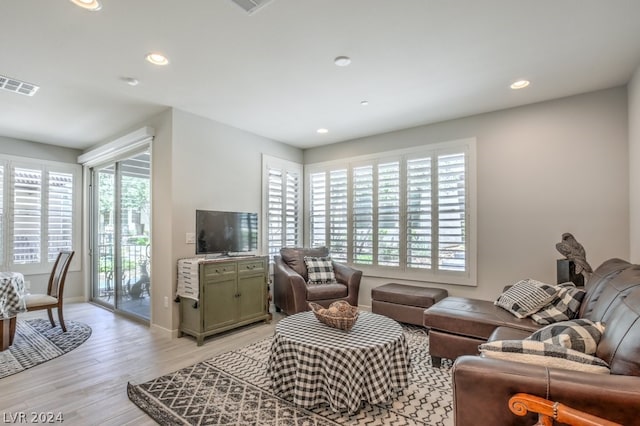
[339, 314]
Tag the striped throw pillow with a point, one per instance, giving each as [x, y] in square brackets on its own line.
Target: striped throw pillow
[526, 297]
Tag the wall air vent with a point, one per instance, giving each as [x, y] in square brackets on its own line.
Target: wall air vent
[250, 6]
[14, 85]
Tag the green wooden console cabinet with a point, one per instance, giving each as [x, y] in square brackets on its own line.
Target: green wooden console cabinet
[233, 292]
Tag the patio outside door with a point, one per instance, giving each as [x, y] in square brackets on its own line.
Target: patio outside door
[120, 231]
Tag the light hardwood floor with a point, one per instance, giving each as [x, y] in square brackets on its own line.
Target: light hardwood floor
[88, 385]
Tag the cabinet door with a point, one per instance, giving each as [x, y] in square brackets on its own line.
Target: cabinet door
[252, 288]
[220, 296]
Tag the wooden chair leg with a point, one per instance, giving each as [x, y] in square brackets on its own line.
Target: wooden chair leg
[53, 323]
[12, 329]
[62, 325]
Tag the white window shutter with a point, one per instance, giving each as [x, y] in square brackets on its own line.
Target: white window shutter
[451, 212]
[318, 209]
[60, 214]
[275, 203]
[419, 209]
[362, 215]
[27, 215]
[338, 214]
[388, 214]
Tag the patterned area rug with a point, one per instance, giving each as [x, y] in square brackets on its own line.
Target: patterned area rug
[234, 389]
[36, 342]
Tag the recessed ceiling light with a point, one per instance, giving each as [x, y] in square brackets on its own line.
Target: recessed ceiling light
[342, 61]
[157, 59]
[92, 5]
[322, 131]
[364, 103]
[520, 84]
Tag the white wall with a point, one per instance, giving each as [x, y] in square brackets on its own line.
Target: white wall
[215, 167]
[543, 169]
[634, 166]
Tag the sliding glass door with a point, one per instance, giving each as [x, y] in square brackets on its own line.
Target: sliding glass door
[120, 235]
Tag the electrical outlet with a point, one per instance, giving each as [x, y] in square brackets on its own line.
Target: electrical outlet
[166, 302]
[191, 238]
[27, 285]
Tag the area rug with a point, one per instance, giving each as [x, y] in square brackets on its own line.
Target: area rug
[234, 389]
[36, 342]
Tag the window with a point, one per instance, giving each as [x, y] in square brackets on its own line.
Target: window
[407, 214]
[283, 201]
[39, 212]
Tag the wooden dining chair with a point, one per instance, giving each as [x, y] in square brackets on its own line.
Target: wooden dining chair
[55, 289]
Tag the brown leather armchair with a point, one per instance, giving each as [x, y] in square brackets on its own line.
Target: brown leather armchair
[291, 293]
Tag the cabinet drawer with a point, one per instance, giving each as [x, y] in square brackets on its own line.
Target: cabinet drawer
[215, 271]
[251, 266]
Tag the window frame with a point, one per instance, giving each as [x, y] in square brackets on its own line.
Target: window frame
[286, 166]
[468, 146]
[9, 162]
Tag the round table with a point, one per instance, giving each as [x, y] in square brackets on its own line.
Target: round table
[311, 363]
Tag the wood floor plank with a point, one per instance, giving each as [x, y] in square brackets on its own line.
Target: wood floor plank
[89, 384]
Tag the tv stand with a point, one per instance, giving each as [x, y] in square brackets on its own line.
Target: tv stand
[233, 291]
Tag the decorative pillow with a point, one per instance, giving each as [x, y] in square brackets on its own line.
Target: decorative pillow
[526, 297]
[564, 307]
[544, 354]
[320, 270]
[581, 335]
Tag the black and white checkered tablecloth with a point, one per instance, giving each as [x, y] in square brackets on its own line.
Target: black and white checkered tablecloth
[311, 363]
[11, 294]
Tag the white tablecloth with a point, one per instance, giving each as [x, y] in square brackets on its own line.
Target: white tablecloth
[11, 294]
[311, 363]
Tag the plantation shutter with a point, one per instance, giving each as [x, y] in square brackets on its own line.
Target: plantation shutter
[60, 213]
[338, 214]
[362, 215]
[419, 213]
[275, 203]
[318, 210]
[451, 212]
[283, 209]
[389, 214]
[27, 211]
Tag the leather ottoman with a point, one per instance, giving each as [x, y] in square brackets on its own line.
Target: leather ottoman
[404, 303]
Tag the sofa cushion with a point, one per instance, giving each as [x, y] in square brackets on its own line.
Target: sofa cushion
[472, 317]
[565, 306]
[526, 297]
[326, 292]
[581, 335]
[596, 284]
[320, 270]
[544, 354]
[293, 257]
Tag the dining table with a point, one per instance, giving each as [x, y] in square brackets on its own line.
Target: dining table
[12, 302]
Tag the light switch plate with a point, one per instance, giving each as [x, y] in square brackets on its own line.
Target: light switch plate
[191, 238]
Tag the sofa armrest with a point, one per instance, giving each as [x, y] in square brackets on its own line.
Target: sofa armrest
[290, 289]
[484, 385]
[345, 274]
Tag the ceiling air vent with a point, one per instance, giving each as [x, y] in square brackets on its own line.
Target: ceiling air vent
[250, 6]
[13, 85]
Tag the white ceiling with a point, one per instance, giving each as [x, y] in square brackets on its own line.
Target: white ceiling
[272, 72]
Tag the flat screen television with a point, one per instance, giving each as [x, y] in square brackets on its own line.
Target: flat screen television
[226, 233]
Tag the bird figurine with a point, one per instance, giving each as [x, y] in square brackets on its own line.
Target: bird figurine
[570, 248]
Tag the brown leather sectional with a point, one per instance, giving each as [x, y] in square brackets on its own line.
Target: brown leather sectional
[483, 386]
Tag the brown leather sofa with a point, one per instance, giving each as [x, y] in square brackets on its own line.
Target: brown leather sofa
[292, 294]
[482, 386]
[458, 325]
